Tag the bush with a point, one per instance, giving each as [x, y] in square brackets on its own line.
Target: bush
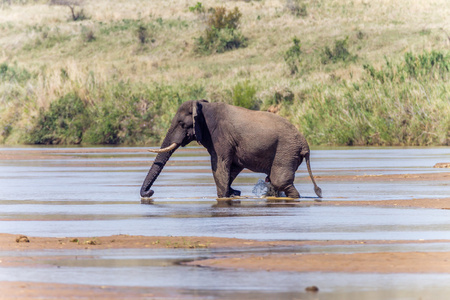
[339, 53]
[197, 8]
[144, 35]
[105, 127]
[88, 34]
[63, 123]
[244, 95]
[222, 32]
[296, 8]
[292, 56]
[72, 4]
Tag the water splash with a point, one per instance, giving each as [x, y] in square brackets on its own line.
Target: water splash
[265, 189]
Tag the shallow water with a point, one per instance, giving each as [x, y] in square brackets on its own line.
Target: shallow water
[73, 192]
[161, 268]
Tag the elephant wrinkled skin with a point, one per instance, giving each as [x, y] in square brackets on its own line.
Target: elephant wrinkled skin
[236, 138]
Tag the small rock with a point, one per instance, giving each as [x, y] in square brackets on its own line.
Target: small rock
[312, 289]
[22, 239]
[75, 240]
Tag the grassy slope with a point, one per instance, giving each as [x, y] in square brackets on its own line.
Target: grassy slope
[52, 57]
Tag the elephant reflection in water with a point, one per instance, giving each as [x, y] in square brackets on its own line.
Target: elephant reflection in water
[236, 138]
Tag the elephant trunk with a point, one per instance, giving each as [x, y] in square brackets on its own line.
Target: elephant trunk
[159, 163]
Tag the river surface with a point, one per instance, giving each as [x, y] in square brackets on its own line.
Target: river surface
[88, 192]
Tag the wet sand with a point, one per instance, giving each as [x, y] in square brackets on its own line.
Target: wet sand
[379, 262]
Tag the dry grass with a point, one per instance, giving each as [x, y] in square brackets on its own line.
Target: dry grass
[42, 40]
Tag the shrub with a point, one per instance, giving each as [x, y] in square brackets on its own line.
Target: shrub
[63, 123]
[222, 32]
[292, 56]
[296, 8]
[72, 4]
[243, 95]
[106, 125]
[88, 34]
[197, 8]
[339, 53]
[142, 34]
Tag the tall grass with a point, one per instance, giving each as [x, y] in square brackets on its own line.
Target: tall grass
[404, 103]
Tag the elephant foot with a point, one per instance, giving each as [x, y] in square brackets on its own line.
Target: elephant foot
[292, 192]
[234, 193]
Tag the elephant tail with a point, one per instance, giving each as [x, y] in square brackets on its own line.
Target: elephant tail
[317, 189]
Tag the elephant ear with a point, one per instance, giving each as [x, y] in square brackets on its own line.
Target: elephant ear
[198, 119]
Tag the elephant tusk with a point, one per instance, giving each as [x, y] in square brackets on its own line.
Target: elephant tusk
[164, 150]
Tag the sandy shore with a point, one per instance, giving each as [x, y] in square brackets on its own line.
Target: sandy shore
[380, 262]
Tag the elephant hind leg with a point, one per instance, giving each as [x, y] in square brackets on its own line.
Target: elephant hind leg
[291, 192]
[283, 181]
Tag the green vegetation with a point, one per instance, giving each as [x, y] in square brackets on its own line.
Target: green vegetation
[244, 95]
[292, 56]
[296, 7]
[344, 72]
[399, 104]
[340, 52]
[222, 32]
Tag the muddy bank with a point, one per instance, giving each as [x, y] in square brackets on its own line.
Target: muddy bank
[380, 262]
[10, 242]
[443, 203]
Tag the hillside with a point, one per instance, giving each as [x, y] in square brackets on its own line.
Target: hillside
[344, 72]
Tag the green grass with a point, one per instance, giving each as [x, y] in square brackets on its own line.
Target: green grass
[358, 73]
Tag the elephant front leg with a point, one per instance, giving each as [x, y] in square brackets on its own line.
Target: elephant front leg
[221, 172]
[235, 170]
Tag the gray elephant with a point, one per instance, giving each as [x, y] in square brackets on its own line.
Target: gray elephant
[236, 138]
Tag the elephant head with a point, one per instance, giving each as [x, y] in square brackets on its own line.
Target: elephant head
[184, 129]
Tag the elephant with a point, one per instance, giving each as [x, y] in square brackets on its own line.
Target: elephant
[236, 138]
